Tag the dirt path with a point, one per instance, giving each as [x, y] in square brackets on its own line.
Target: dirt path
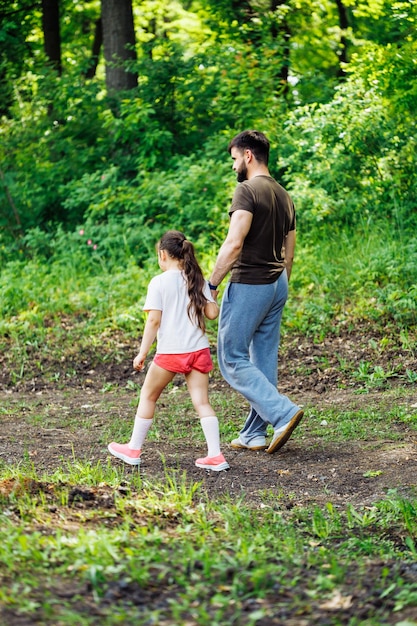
[41, 429]
[52, 424]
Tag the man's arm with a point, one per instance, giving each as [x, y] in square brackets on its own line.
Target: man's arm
[240, 223]
[289, 245]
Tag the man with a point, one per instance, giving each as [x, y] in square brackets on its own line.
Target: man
[259, 252]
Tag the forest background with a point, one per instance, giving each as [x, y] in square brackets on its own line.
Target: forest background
[115, 117]
[115, 121]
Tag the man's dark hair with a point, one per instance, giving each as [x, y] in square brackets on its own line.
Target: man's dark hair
[252, 140]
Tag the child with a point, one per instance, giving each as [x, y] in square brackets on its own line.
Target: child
[176, 303]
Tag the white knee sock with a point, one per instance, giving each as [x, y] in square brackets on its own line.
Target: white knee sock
[140, 430]
[210, 426]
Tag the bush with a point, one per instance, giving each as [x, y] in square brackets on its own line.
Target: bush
[351, 161]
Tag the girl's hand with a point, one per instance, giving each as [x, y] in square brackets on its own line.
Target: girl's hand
[211, 310]
[139, 361]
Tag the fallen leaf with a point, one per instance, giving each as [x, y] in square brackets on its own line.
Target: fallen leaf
[336, 602]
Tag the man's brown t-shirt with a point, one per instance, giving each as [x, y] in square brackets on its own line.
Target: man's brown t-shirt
[262, 258]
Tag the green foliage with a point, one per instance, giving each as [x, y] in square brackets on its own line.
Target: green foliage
[99, 272]
[139, 139]
[39, 294]
[347, 276]
[351, 161]
[43, 150]
[17, 21]
[209, 560]
[125, 171]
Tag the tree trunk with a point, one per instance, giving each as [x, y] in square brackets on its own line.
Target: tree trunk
[285, 33]
[97, 43]
[119, 44]
[52, 33]
[344, 24]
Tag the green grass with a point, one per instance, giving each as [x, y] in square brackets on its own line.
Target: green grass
[371, 423]
[74, 299]
[160, 552]
[210, 559]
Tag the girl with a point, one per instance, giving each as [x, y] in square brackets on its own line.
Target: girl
[177, 302]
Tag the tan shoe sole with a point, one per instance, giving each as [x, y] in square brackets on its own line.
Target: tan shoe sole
[283, 437]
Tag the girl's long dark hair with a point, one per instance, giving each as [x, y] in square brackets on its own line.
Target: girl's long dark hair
[178, 247]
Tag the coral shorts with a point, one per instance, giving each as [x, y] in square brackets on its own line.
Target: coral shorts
[186, 362]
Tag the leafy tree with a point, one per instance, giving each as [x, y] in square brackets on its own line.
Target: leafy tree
[351, 161]
[17, 19]
[206, 71]
[41, 153]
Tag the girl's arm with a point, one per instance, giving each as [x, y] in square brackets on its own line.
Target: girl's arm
[153, 322]
[211, 310]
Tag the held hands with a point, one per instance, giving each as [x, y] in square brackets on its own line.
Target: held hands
[214, 291]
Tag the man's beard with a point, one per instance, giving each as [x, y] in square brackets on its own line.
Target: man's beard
[242, 174]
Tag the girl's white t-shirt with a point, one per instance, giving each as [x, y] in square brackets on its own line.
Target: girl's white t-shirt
[177, 334]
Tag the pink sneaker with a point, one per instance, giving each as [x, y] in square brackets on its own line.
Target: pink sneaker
[123, 452]
[215, 463]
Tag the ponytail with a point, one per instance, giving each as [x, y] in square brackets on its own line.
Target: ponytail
[178, 247]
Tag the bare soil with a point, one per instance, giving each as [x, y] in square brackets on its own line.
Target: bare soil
[307, 471]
